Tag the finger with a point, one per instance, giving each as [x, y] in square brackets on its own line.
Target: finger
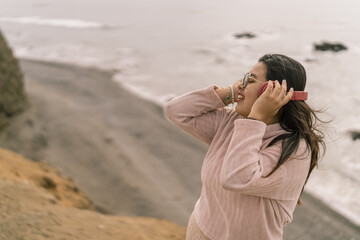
[283, 89]
[236, 85]
[269, 88]
[288, 96]
[277, 89]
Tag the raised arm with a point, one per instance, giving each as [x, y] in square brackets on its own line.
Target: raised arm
[198, 112]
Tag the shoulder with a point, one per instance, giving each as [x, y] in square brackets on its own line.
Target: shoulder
[303, 151]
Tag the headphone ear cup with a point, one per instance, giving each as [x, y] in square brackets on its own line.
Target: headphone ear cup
[263, 87]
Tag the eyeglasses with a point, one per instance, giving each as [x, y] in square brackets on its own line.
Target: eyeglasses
[246, 78]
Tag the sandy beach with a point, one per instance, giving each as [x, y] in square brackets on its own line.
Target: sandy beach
[123, 153]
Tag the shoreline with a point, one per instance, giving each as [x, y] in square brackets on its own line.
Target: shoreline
[352, 218]
[91, 119]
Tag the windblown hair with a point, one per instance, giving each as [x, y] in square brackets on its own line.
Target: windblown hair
[296, 117]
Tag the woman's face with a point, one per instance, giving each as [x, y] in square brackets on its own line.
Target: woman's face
[246, 97]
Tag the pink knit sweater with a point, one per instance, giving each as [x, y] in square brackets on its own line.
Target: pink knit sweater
[237, 201]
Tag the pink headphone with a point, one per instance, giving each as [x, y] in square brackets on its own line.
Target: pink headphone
[297, 95]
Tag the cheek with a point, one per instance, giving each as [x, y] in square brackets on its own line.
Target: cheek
[252, 95]
[252, 99]
[244, 107]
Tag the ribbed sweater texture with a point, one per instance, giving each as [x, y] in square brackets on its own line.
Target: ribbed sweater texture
[237, 201]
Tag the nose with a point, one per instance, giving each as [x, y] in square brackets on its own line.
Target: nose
[240, 84]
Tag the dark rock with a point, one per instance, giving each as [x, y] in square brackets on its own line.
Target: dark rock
[40, 140]
[29, 122]
[47, 183]
[108, 140]
[244, 35]
[310, 60]
[355, 135]
[326, 46]
[12, 93]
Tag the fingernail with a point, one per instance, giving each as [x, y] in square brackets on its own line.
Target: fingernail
[291, 89]
[284, 81]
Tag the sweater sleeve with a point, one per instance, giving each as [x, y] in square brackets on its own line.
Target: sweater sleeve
[246, 165]
[198, 113]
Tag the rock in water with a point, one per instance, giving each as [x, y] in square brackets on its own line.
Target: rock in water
[355, 135]
[12, 92]
[326, 46]
[245, 35]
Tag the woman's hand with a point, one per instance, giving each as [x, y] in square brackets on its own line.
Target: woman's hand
[269, 103]
[223, 92]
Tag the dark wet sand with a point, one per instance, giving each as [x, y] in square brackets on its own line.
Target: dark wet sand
[122, 151]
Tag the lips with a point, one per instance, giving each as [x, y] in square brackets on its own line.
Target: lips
[240, 96]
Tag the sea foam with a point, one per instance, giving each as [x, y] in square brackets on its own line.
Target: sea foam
[55, 22]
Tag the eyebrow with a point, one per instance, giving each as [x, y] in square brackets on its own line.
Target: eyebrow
[252, 74]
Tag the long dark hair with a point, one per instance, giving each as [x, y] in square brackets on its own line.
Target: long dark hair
[296, 117]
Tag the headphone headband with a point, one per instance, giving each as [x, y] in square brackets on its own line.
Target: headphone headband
[297, 95]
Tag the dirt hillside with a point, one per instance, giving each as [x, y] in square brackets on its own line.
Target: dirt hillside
[38, 203]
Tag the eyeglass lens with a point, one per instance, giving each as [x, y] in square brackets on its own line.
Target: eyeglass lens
[245, 80]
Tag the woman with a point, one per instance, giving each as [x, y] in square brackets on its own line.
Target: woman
[260, 154]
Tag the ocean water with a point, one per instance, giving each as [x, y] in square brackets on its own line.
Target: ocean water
[160, 49]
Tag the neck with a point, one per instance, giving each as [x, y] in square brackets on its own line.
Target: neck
[272, 120]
